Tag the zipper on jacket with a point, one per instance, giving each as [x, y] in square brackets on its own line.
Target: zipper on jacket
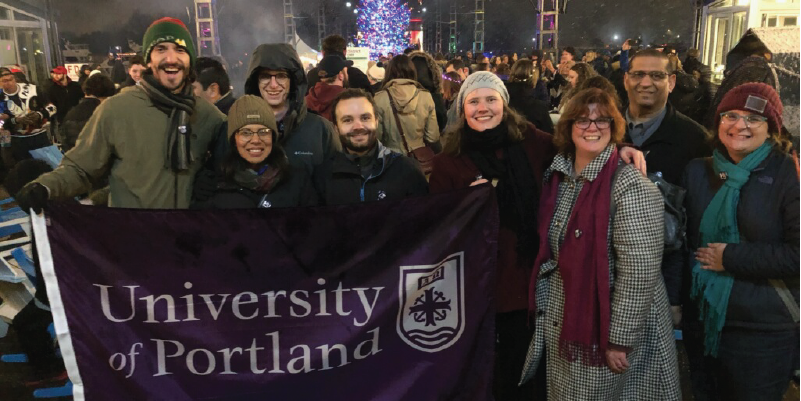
[383, 165]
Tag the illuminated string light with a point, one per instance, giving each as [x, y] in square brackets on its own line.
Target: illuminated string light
[383, 26]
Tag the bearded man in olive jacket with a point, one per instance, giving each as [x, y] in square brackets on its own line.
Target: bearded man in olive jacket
[149, 140]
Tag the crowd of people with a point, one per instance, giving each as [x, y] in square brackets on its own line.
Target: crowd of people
[587, 293]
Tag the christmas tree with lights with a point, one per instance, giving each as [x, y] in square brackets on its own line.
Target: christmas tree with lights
[382, 26]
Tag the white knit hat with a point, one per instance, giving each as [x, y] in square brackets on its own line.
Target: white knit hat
[478, 80]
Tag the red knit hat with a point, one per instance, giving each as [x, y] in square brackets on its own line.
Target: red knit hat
[754, 97]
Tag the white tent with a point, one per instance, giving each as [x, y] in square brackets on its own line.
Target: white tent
[306, 53]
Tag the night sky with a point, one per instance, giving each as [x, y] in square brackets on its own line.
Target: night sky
[510, 24]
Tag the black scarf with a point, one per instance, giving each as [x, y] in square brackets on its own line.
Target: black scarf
[517, 191]
[179, 107]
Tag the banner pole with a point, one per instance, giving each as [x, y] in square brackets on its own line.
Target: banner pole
[39, 226]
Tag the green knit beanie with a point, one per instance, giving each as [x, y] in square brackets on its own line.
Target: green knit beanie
[169, 30]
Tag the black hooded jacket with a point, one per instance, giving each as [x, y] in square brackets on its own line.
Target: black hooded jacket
[689, 97]
[523, 98]
[308, 139]
[744, 63]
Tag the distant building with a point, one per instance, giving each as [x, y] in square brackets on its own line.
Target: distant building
[723, 22]
[27, 38]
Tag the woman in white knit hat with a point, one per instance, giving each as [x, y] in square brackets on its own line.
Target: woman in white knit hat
[491, 143]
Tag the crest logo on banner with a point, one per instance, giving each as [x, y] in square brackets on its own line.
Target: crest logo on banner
[432, 316]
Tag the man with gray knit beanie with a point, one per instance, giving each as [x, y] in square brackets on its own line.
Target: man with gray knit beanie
[149, 140]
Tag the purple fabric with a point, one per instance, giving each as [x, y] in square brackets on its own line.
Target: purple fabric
[583, 264]
[430, 335]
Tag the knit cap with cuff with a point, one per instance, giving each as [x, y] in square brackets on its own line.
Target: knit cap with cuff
[757, 98]
[251, 109]
[478, 80]
[168, 30]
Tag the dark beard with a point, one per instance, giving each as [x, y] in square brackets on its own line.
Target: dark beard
[347, 144]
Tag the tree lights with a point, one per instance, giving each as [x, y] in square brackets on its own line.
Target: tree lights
[383, 26]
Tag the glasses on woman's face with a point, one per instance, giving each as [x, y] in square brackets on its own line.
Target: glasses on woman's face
[247, 135]
[600, 123]
[751, 120]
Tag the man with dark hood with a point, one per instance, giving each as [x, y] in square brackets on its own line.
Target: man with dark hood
[748, 61]
[335, 44]
[148, 140]
[275, 73]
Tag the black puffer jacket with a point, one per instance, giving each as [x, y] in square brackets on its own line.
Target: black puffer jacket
[689, 97]
[523, 98]
[339, 180]
[64, 97]
[768, 220]
[73, 122]
[308, 139]
[295, 189]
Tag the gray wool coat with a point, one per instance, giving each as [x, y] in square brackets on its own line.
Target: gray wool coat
[640, 317]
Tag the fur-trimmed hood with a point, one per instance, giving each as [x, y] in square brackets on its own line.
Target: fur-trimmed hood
[431, 79]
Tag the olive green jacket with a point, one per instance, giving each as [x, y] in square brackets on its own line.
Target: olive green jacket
[126, 140]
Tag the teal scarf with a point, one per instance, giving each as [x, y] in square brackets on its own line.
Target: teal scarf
[711, 289]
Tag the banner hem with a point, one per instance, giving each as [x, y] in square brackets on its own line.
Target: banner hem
[39, 226]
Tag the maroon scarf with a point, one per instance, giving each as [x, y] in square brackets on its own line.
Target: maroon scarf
[583, 264]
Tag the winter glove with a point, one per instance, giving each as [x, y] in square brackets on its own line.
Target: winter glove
[32, 196]
[205, 185]
[31, 119]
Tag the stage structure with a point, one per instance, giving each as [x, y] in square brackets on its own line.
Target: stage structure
[289, 24]
[478, 33]
[208, 36]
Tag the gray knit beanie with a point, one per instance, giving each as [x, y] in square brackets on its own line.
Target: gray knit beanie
[478, 80]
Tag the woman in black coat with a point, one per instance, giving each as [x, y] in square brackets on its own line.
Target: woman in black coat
[522, 95]
[741, 318]
[256, 172]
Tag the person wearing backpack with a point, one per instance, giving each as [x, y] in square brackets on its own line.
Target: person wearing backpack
[742, 269]
[406, 113]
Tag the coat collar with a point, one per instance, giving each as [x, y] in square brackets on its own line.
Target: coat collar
[383, 155]
[665, 132]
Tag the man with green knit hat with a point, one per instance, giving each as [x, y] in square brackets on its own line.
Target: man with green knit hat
[169, 52]
[149, 140]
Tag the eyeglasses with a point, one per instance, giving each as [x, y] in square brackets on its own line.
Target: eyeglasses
[268, 76]
[600, 123]
[751, 120]
[247, 134]
[655, 75]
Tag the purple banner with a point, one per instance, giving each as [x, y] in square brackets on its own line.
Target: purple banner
[377, 301]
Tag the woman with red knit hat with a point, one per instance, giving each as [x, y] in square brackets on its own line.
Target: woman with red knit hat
[741, 318]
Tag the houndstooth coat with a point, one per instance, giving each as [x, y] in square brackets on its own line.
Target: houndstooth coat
[640, 316]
